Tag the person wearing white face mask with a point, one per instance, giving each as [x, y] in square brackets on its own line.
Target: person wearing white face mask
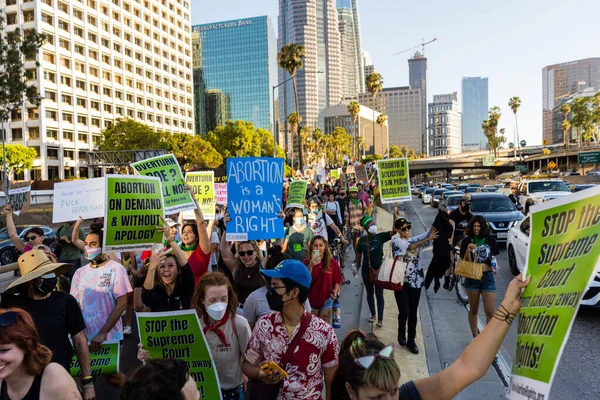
[295, 245]
[227, 333]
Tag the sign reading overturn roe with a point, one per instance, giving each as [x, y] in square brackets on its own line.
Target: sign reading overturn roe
[394, 182]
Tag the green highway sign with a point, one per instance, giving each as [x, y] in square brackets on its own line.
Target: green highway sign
[522, 168]
[489, 161]
[589, 157]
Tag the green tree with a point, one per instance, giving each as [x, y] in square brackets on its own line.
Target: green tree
[374, 82]
[127, 134]
[566, 124]
[412, 154]
[18, 158]
[490, 129]
[199, 152]
[290, 58]
[395, 152]
[266, 144]
[381, 120]
[354, 111]
[294, 120]
[235, 139]
[515, 103]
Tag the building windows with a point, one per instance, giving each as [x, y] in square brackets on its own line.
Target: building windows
[34, 133]
[82, 137]
[81, 102]
[51, 133]
[82, 120]
[95, 105]
[94, 71]
[107, 92]
[64, 25]
[94, 88]
[67, 117]
[68, 135]
[65, 80]
[96, 122]
[17, 134]
[50, 95]
[49, 58]
[52, 154]
[65, 62]
[93, 54]
[67, 99]
[108, 108]
[79, 84]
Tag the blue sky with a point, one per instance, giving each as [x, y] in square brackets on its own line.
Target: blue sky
[508, 41]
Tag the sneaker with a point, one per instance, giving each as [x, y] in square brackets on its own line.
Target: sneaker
[372, 319]
[379, 324]
[127, 330]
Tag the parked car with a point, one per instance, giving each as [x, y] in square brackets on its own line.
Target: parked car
[452, 202]
[472, 189]
[500, 213]
[449, 193]
[426, 197]
[499, 185]
[463, 186]
[539, 191]
[474, 185]
[517, 247]
[489, 189]
[435, 197]
[570, 173]
[8, 252]
[579, 187]
[417, 189]
[593, 173]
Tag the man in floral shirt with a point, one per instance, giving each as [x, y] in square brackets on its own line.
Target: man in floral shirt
[407, 299]
[316, 355]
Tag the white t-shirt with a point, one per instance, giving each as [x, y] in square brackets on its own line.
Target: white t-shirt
[214, 257]
[227, 356]
[319, 223]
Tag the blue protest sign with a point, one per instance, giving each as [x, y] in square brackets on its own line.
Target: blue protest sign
[254, 187]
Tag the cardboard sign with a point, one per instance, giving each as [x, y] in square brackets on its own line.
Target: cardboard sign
[19, 196]
[297, 194]
[166, 168]
[361, 174]
[104, 361]
[134, 210]
[177, 334]
[203, 184]
[563, 258]
[84, 198]
[394, 181]
[254, 188]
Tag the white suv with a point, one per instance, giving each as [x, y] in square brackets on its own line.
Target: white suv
[517, 246]
[538, 191]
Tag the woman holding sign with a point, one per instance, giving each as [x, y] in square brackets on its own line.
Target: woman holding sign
[195, 241]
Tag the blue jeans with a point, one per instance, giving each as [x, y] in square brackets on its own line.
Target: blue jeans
[237, 393]
[487, 283]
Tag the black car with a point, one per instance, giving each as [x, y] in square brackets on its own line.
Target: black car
[500, 213]
[8, 252]
[435, 197]
[579, 187]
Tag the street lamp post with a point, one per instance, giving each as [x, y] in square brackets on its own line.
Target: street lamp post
[4, 117]
[303, 72]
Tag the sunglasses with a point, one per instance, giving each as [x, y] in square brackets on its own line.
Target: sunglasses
[405, 228]
[387, 353]
[30, 238]
[246, 253]
[8, 318]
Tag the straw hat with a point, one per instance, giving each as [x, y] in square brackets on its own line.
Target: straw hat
[34, 264]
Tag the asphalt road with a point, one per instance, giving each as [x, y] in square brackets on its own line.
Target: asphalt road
[577, 376]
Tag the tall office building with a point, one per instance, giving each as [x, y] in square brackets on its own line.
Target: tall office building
[474, 111]
[313, 24]
[235, 68]
[445, 125]
[417, 71]
[402, 105]
[353, 79]
[562, 80]
[102, 60]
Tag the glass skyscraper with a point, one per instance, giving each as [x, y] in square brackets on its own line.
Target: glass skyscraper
[474, 111]
[235, 68]
[417, 71]
[353, 78]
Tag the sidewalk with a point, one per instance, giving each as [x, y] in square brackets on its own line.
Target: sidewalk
[412, 366]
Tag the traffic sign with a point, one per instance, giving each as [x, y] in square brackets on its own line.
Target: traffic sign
[589, 157]
[489, 161]
[551, 165]
[522, 168]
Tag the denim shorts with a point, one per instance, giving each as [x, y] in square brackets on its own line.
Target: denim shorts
[486, 284]
[327, 306]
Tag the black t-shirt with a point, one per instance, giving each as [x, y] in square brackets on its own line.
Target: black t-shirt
[409, 391]
[375, 249]
[157, 299]
[55, 318]
[460, 223]
[441, 245]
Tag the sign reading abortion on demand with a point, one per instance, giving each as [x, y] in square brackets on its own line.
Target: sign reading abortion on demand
[254, 188]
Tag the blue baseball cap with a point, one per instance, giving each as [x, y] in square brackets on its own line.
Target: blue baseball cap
[291, 269]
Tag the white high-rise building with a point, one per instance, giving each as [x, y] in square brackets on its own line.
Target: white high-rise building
[353, 80]
[445, 125]
[313, 24]
[102, 60]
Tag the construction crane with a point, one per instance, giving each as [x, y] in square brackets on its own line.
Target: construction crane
[422, 45]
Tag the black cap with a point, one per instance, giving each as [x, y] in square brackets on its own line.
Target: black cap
[400, 222]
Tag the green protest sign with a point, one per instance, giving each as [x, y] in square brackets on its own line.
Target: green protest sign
[202, 182]
[166, 168]
[563, 256]
[335, 174]
[134, 210]
[394, 180]
[297, 194]
[104, 361]
[177, 334]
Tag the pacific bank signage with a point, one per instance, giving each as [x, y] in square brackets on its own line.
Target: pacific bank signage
[223, 25]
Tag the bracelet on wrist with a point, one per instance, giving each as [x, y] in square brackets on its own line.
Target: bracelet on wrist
[503, 314]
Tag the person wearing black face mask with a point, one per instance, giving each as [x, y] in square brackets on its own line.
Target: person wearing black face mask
[461, 217]
[55, 314]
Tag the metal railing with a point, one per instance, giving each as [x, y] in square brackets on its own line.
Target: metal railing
[9, 267]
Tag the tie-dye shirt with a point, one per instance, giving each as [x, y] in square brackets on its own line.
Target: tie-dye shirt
[97, 290]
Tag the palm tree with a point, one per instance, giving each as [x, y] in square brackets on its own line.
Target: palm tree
[515, 103]
[566, 124]
[294, 121]
[290, 59]
[381, 119]
[354, 111]
[317, 137]
[374, 83]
